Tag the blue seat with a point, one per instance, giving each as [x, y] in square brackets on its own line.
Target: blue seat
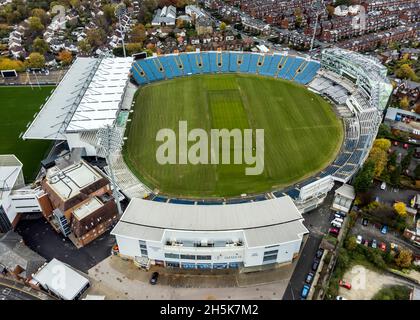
[253, 63]
[246, 59]
[186, 63]
[265, 67]
[286, 64]
[144, 64]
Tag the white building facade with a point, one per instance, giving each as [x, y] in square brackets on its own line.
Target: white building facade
[210, 236]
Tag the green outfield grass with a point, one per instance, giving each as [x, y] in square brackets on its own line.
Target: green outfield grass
[302, 133]
[17, 107]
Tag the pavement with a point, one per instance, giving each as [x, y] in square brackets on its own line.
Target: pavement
[12, 290]
[317, 222]
[116, 278]
[42, 238]
[390, 194]
[365, 283]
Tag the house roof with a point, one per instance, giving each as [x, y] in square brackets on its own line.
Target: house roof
[14, 253]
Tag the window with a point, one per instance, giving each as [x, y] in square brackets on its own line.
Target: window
[187, 256]
[267, 253]
[203, 257]
[172, 255]
[143, 253]
[270, 258]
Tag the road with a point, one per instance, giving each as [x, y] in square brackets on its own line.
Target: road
[11, 290]
[317, 222]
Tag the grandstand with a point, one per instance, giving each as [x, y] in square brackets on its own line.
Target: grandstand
[286, 67]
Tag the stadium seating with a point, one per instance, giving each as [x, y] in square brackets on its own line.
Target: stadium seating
[176, 65]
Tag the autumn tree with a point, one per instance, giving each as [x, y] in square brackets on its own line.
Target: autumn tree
[382, 143]
[96, 37]
[39, 45]
[138, 33]
[406, 72]
[222, 26]
[380, 159]
[65, 57]
[401, 209]
[9, 64]
[404, 258]
[404, 103]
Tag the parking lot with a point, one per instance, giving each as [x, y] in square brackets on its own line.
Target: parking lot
[373, 231]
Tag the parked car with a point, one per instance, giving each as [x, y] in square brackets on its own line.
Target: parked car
[394, 247]
[340, 220]
[366, 243]
[154, 278]
[384, 229]
[334, 231]
[396, 143]
[336, 224]
[340, 298]
[305, 291]
[383, 185]
[345, 284]
[405, 146]
[309, 277]
[315, 265]
[374, 244]
[382, 246]
[319, 253]
[359, 239]
[365, 222]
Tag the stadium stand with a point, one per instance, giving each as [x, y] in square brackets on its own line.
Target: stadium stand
[175, 65]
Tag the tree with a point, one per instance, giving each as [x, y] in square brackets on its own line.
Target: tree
[65, 57]
[35, 24]
[404, 103]
[404, 258]
[384, 131]
[351, 243]
[84, 47]
[9, 64]
[380, 159]
[364, 177]
[222, 26]
[383, 144]
[35, 60]
[401, 209]
[138, 33]
[41, 14]
[39, 45]
[96, 37]
[406, 72]
[395, 176]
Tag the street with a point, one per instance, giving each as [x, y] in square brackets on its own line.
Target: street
[318, 222]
